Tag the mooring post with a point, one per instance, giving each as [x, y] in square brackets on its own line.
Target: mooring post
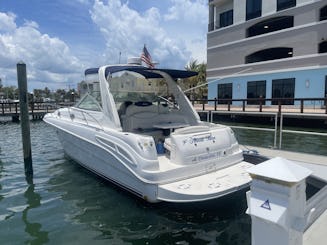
[24, 116]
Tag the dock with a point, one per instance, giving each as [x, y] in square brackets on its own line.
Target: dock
[279, 105]
[316, 232]
[37, 110]
[298, 111]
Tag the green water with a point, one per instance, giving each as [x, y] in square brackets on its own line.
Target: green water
[66, 204]
[312, 144]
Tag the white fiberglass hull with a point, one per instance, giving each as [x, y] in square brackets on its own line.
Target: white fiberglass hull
[93, 156]
[82, 144]
[208, 186]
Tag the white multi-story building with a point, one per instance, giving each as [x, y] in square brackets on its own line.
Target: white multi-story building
[267, 48]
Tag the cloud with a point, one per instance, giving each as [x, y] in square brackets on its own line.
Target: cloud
[174, 32]
[7, 22]
[188, 20]
[126, 30]
[48, 59]
[188, 11]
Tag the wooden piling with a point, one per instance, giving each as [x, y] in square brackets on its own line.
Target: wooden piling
[24, 116]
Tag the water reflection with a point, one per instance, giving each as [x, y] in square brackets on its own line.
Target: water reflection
[34, 229]
[118, 217]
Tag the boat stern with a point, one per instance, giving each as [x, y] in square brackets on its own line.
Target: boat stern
[208, 186]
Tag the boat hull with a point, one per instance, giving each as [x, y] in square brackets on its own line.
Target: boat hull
[92, 157]
[80, 144]
[212, 185]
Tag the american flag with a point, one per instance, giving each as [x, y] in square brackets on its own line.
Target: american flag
[146, 58]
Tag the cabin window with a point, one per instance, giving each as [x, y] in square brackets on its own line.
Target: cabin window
[88, 102]
[225, 91]
[253, 9]
[226, 18]
[323, 13]
[256, 90]
[284, 89]
[269, 54]
[285, 4]
[92, 88]
[270, 25]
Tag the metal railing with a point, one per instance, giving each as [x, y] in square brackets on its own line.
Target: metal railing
[92, 121]
[277, 127]
[274, 130]
[299, 115]
[298, 105]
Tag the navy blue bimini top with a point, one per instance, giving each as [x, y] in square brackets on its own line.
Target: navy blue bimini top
[146, 72]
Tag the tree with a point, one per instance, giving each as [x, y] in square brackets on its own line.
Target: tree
[10, 92]
[47, 92]
[37, 94]
[60, 95]
[199, 82]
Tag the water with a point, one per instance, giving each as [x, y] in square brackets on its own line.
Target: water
[312, 144]
[66, 204]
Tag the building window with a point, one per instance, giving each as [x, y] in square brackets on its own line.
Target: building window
[323, 13]
[226, 18]
[225, 91]
[270, 25]
[253, 9]
[256, 90]
[283, 89]
[269, 54]
[322, 47]
[285, 4]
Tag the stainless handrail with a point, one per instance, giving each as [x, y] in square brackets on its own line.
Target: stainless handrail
[84, 114]
[207, 112]
[308, 115]
[275, 129]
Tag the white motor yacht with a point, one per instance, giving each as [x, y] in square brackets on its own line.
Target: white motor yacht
[135, 127]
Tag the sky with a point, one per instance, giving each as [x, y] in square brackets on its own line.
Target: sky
[59, 39]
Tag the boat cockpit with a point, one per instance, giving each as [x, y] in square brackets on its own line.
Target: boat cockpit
[145, 101]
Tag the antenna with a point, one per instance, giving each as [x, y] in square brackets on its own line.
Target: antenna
[219, 78]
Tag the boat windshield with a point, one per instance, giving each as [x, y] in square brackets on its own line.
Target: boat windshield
[129, 86]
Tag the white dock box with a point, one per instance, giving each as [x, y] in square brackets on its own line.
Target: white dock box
[276, 202]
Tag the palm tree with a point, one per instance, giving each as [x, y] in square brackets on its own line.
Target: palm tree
[198, 81]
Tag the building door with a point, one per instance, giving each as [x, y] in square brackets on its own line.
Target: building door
[225, 91]
[283, 89]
